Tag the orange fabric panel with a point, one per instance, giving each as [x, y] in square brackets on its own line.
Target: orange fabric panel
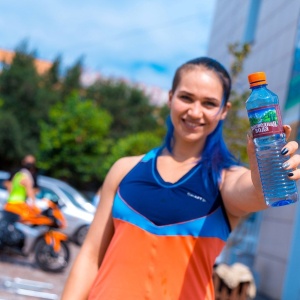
[140, 265]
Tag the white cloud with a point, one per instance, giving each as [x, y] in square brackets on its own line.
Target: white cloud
[114, 36]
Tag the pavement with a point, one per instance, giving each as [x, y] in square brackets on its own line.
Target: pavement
[21, 279]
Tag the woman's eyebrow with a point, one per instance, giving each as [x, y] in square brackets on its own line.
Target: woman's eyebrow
[212, 99]
[185, 92]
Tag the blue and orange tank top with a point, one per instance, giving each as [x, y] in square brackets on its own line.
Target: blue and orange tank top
[167, 237]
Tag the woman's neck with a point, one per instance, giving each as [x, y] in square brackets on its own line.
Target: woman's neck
[187, 155]
[187, 151]
[173, 166]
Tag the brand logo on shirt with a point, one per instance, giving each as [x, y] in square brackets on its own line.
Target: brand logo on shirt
[196, 197]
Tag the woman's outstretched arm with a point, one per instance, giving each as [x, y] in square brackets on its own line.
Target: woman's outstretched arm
[241, 188]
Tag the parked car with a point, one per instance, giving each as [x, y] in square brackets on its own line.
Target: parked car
[79, 212]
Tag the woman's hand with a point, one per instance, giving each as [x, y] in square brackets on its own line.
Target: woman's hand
[288, 150]
[293, 162]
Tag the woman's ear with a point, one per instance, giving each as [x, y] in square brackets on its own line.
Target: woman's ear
[170, 98]
[225, 110]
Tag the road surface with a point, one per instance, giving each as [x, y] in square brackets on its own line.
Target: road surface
[19, 275]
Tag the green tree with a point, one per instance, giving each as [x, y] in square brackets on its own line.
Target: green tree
[27, 97]
[129, 106]
[134, 144]
[71, 79]
[10, 136]
[73, 141]
[52, 78]
[19, 85]
[237, 124]
[239, 53]
[43, 114]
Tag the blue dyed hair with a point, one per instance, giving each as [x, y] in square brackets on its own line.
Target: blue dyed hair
[215, 156]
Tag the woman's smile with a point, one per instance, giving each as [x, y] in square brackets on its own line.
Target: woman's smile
[191, 124]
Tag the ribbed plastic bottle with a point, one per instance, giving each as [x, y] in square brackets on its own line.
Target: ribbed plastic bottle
[269, 139]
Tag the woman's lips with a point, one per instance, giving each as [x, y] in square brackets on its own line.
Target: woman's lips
[192, 125]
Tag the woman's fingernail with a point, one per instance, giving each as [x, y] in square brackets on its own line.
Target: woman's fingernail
[284, 151]
[290, 174]
[285, 165]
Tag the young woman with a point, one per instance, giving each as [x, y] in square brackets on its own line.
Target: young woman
[165, 216]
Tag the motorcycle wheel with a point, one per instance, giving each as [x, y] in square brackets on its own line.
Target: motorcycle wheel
[50, 261]
[80, 235]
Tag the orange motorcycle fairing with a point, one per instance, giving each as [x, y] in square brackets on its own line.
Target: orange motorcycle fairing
[24, 210]
[53, 238]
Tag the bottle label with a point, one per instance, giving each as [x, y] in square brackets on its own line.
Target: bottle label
[265, 120]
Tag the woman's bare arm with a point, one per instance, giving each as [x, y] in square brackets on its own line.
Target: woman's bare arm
[28, 184]
[241, 188]
[91, 254]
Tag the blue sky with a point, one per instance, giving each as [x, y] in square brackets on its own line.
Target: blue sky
[143, 41]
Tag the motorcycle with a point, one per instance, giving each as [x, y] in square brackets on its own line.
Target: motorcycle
[25, 230]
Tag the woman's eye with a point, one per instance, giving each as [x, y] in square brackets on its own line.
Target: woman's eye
[210, 104]
[185, 98]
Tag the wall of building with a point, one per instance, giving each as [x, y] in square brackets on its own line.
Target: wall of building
[227, 28]
[272, 51]
[7, 57]
[274, 241]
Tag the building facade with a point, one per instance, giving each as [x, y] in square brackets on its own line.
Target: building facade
[7, 56]
[272, 28]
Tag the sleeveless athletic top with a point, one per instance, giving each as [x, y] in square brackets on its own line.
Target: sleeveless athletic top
[167, 237]
[18, 191]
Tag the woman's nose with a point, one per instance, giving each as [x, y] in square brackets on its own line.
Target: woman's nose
[195, 110]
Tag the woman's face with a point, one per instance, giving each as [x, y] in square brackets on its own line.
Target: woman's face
[195, 106]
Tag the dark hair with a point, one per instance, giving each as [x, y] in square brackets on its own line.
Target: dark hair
[215, 155]
[209, 64]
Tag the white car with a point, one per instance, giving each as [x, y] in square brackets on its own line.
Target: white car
[78, 211]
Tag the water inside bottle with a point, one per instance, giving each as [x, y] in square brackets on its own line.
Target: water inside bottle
[278, 189]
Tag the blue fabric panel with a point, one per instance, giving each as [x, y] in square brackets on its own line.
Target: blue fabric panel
[213, 225]
[166, 203]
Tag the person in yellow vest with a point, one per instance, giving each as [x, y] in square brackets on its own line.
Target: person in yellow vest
[21, 199]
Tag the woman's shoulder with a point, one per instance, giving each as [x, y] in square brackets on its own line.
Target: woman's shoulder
[118, 171]
[232, 173]
[123, 165]
[128, 161]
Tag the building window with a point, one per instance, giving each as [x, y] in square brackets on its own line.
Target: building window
[250, 29]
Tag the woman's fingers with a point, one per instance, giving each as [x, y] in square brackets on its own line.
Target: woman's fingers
[287, 130]
[292, 165]
[290, 148]
[294, 174]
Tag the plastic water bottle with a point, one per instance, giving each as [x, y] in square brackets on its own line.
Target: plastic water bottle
[269, 139]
